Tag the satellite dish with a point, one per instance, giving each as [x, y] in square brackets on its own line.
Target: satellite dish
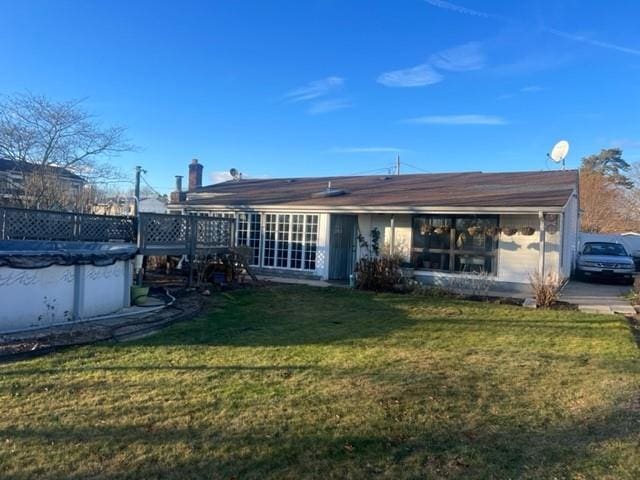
[559, 152]
[234, 173]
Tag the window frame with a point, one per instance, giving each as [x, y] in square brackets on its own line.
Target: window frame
[452, 251]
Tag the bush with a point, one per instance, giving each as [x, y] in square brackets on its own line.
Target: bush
[375, 271]
[546, 290]
[378, 273]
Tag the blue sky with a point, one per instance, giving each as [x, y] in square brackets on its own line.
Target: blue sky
[298, 88]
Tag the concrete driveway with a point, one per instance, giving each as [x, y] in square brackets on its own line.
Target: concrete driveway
[597, 297]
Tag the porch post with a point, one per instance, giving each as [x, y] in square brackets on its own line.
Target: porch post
[392, 244]
[541, 245]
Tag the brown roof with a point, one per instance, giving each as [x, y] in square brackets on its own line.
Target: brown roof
[464, 189]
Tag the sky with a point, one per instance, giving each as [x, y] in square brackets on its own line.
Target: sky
[336, 87]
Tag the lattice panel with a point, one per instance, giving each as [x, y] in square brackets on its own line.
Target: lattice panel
[104, 229]
[37, 225]
[213, 232]
[165, 229]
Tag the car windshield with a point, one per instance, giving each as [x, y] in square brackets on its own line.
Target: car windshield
[604, 248]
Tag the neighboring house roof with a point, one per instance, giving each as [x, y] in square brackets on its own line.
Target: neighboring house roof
[7, 165]
[464, 189]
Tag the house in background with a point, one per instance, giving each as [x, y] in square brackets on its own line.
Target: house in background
[446, 226]
[125, 206]
[15, 177]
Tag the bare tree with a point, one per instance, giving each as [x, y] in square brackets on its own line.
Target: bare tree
[57, 147]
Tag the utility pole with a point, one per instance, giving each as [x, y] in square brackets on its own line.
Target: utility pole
[136, 200]
[398, 165]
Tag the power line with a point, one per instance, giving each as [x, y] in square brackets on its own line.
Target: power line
[149, 185]
[382, 169]
[415, 168]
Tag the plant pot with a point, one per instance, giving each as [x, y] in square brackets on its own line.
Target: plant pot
[527, 231]
[509, 231]
[139, 295]
[408, 272]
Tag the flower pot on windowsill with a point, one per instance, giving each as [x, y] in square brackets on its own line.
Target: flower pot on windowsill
[508, 231]
[527, 231]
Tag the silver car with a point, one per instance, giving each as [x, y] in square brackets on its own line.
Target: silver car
[605, 260]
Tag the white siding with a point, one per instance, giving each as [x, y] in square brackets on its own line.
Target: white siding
[402, 244]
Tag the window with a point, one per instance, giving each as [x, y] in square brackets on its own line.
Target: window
[287, 241]
[282, 259]
[311, 242]
[297, 240]
[249, 234]
[455, 243]
[270, 224]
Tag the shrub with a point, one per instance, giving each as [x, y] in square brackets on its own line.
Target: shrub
[546, 289]
[378, 273]
[374, 271]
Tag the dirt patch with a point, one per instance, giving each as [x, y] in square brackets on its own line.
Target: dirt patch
[22, 345]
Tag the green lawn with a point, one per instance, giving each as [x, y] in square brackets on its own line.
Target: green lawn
[296, 382]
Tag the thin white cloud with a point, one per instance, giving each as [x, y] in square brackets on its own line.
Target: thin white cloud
[314, 89]
[469, 119]
[532, 89]
[219, 177]
[460, 9]
[417, 76]
[559, 33]
[330, 105]
[524, 90]
[366, 150]
[595, 43]
[462, 58]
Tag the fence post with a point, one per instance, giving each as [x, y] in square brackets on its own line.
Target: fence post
[192, 241]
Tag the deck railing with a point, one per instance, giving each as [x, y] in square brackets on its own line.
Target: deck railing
[154, 233]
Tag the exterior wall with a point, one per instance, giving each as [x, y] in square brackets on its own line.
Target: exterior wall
[517, 255]
[571, 232]
[402, 228]
[322, 246]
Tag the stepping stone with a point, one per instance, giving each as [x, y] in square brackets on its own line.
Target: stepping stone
[624, 309]
[600, 309]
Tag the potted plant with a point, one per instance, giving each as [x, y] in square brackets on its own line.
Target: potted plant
[527, 230]
[508, 231]
[474, 230]
[407, 270]
[426, 229]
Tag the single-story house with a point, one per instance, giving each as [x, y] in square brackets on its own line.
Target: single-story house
[446, 226]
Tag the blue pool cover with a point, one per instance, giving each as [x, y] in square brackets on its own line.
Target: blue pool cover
[42, 253]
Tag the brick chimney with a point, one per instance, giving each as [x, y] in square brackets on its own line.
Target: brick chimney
[195, 175]
[178, 195]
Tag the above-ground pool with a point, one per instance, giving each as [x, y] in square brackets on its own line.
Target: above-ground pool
[44, 283]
